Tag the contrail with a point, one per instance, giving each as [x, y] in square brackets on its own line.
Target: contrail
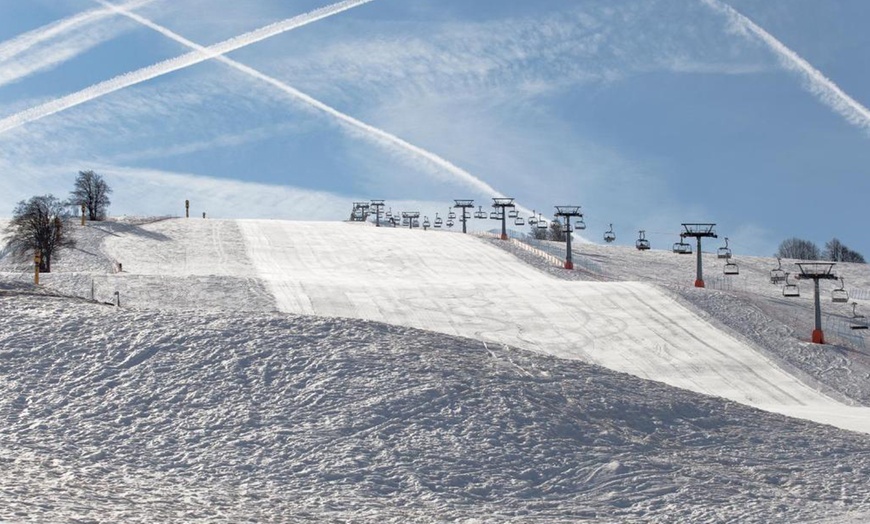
[817, 83]
[174, 64]
[25, 41]
[374, 132]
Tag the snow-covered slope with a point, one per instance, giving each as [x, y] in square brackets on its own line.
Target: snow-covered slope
[460, 285]
[200, 400]
[134, 415]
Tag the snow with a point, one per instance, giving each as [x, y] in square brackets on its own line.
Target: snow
[304, 372]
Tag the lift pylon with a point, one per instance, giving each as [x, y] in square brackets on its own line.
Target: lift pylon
[699, 231]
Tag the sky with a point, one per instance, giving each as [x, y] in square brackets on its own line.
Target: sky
[647, 113]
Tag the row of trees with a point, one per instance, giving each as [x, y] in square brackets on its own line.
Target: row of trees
[37, 224]
[834, 250]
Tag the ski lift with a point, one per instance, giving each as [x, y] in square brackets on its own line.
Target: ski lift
[513, 213]
[789, 289]
[532, 219]
[449, 223]
[724, 252]
[839, 294]
[642, 244]
[541, 223]
[777, 275]
[731, 268]
[858, 321]
[389, 213]
[519, 221]
[438, 221]
[609, 235]
[580, 224]
[495, 215]
[480, 213]
[451, 215]
[426, 223]
[682, 247]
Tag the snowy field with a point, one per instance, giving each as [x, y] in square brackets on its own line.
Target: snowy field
[399, 396]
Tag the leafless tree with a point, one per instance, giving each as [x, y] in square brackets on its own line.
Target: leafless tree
[798, 249]
[836, 251]
[92, 192]
[37, 225]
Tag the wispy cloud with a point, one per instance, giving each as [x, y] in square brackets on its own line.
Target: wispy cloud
[135, 191]
[56, 43]
[369, 131]
[174, 64]
[816, 82]
[519, 56]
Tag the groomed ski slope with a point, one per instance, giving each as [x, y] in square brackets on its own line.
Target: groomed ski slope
[459, 285]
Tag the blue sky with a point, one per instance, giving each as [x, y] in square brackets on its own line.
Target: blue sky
[647, 113]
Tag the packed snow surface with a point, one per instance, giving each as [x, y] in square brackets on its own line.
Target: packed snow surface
[399, 396]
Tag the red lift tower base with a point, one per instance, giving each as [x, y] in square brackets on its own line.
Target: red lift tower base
[699, 283]
[818, 336]
[569, 264]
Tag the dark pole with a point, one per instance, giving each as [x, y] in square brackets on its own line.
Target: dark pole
[569, 261]
[818, 336]
[699, 279]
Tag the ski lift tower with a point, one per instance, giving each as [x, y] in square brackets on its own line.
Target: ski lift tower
[411, 217]
[378, 205]
[502, 204]
[463, 205]
[360, 212]
[817, 271]
[568, 212]
[699, 231]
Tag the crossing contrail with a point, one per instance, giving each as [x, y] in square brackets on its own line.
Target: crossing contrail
[53, 44]
[173, 64]
[15, 46]
[376, 133]
[817, 83]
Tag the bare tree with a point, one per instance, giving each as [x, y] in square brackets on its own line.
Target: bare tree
[92, 192]
[836, 251]
[799, 249]
[557, 231]
[37, 224]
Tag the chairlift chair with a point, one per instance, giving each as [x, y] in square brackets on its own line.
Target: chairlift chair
[519, 221]
[777, 275]
[480, 213]
[426, 223]
[438, 221]
[682, 248]
[731, 268]
[449, 223]
[541, 223]
[840, 295]
[495, 215]
[724, 252]
[642, 244]
[858, 321]
[513, 213]
[451, 215]
[580, 224]
[389, 213]
[532, 219]
[609, 235]
[789, 289]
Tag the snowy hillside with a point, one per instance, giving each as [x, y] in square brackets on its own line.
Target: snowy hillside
[206, 398]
